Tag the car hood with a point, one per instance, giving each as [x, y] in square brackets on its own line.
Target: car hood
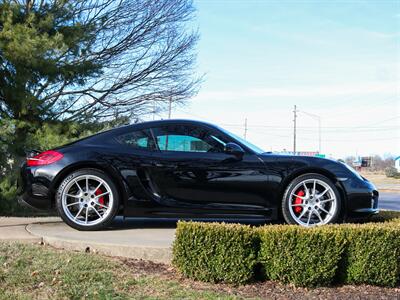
[339, 169]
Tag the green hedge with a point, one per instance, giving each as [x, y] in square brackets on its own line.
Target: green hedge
[348, 253]
[386, 216]
[215, 252]
[304, 257]
[372, 255]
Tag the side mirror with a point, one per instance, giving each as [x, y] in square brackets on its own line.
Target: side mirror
[234, 149]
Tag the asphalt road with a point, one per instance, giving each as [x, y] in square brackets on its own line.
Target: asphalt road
[390, 201]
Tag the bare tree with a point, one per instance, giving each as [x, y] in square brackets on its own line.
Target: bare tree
[95, 59]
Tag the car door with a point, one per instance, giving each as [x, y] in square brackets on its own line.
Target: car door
[132, 157]
[191, 169]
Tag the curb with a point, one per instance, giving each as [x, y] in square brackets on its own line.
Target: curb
[155, 254]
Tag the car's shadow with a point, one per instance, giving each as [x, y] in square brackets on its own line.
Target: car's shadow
[121, 223]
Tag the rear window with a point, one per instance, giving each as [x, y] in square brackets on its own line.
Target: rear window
[136, 139]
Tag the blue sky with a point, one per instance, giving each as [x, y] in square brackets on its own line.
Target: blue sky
[339, 60]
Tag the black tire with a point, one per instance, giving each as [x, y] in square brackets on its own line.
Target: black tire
[113, 210]
[287, 215]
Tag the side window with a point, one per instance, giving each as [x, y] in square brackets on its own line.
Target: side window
[181, 143]
[137, 139]
[187, 139]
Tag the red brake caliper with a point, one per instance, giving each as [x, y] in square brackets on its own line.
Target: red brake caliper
[101, 199]
[298, 200]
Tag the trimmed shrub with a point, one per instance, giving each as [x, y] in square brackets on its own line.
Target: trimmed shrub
[372, 255]
[347, 253]
[392, 172]
[215, 252]
[386, 215]
[304, 257]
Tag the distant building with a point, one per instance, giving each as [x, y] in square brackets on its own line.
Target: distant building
[397, 163]
[357, 162]
[301, 153]
[364, 161]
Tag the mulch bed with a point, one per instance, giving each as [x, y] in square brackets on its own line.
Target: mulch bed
[266, 290]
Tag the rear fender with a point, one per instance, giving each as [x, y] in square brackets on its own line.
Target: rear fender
[115, 176]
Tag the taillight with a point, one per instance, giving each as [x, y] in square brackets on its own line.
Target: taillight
[44, 158]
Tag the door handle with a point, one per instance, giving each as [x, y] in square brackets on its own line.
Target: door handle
[157, 164]
[181, 165]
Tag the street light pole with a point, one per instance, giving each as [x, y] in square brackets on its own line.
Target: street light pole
[319, 135]
[318, 118]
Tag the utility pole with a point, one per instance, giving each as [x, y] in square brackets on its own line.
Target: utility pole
[245, 128]
[169, 117]
[170, 107]
[294, 129]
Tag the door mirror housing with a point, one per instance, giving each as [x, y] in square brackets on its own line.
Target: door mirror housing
[234, 149]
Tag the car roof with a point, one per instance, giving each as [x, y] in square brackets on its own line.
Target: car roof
[142, 125]
[168, 121]
[150, 124]
[100, 137]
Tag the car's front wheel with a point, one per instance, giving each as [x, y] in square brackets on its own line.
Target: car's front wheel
[87, 199]
[310, 200]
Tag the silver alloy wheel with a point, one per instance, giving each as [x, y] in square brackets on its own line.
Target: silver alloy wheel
[87, 200]
[312, 202]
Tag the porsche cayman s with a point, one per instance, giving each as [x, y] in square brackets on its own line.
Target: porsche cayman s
[189, 169]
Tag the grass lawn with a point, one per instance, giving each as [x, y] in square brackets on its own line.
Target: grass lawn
[41, 272]
[34, 271]
[382, 181]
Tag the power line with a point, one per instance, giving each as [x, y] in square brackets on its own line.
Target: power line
[280, 127]
[311, 129]
[325, 139]
[372, 125]
[384, 121]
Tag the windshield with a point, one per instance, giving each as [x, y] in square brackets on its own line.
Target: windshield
[244, 142]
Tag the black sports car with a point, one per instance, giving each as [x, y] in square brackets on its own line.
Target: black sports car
[183, 168]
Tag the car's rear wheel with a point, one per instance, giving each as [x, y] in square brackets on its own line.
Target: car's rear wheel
[87, 199]
[311, 200]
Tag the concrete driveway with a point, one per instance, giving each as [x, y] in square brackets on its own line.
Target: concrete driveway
[14, 229]
[149, 239]
[134, 238]
[140, 239]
